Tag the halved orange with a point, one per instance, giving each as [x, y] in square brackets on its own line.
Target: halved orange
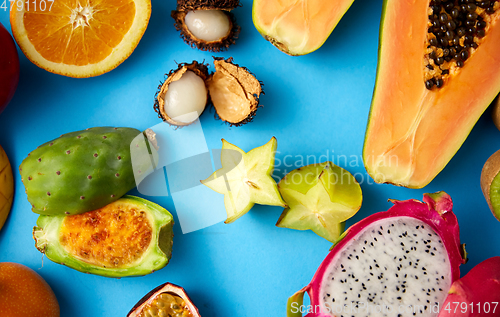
[79, 38]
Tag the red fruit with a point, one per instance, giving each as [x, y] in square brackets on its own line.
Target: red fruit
[392, 261]
[477, 294]
[9, 68]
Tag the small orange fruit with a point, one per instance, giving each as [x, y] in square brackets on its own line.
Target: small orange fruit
[25, 293]
[6, 187]
[79, 38]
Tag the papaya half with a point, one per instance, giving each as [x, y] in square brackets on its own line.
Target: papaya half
[438, 70]
[298, 27]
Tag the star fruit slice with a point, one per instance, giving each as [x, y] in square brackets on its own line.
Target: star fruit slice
[245, 179]
[320, 197]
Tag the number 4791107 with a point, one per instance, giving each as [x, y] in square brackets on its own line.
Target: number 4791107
[463, 307]
[34, 5]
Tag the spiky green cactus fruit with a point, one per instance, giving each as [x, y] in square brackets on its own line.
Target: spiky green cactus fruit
[84, 170]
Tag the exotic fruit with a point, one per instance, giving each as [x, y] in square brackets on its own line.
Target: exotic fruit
[128, 237]
[25, 293]
[319, 197]
[298, 27]
[245, 178]
[207, 25]
[421, 113]
[490, 183]
[6, 187]
[477, 294]
[495, 114]
[165, 300]
[401, 262]
[182, 98]
[79, 39]
[9, 68]
[233, 90]
[84, 170]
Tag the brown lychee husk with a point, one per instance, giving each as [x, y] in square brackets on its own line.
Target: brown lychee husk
[164, 288]
[212, 46]
[199, 69]
[234, 92]
[490, 170]
[190, 5]
[495, 114]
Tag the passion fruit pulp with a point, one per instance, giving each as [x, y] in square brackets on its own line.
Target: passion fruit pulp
[129, 237]
[166, 300]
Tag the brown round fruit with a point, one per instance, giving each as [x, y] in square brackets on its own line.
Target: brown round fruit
[490, 183]
[208, 24]
[25, 293]
[495, 114]
[165, 300]
[6, 187]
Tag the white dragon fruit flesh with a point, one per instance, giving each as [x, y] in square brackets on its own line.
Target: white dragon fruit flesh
[400, 263]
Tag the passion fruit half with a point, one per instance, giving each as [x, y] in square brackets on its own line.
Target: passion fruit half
[129, 237]
[165, 300]
[234, 91]
[207, 25]
[183, 96]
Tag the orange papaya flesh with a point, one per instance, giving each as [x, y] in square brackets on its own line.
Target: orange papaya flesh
[413, 132]
[298, 27]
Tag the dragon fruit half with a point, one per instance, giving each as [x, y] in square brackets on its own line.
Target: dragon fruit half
[400, 262]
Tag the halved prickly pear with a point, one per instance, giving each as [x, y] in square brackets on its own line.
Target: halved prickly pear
[402, 261]
[477, 294]
[320, 197]
[165, 300]
[84, 170]
[245, 179]
[129, 237]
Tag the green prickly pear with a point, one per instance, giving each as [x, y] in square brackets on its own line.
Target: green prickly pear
[85, 170]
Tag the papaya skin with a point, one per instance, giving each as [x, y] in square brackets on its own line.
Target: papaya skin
[490, 170]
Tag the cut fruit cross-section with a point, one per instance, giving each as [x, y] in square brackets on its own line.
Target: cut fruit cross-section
[80, 38]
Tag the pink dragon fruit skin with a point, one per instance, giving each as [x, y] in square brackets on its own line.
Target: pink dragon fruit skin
[477, 292]
[435, 211]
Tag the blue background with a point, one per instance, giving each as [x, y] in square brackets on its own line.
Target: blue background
[315, 105]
